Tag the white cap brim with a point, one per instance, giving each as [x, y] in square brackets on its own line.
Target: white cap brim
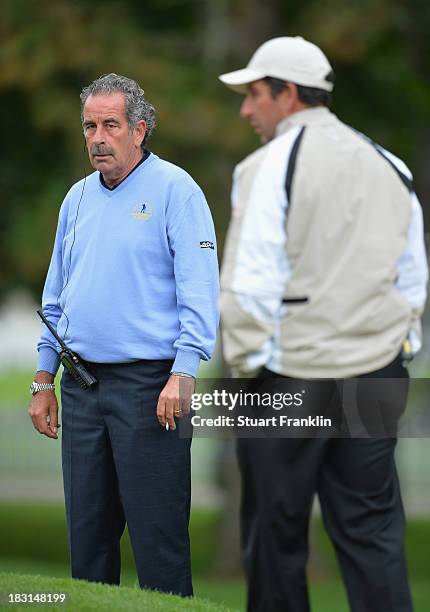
[239, 79]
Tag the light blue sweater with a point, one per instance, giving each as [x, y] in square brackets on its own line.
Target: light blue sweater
[134, 271]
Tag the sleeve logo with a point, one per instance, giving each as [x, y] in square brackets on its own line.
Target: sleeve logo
[207, 245]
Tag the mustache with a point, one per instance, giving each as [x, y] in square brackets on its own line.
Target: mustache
[100, 150]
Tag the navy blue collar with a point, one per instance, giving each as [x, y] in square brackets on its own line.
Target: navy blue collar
[146, 154]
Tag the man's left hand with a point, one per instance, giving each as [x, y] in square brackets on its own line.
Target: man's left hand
[175, 399]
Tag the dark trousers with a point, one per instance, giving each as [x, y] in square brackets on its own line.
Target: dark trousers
[358, 489]
[120, 466]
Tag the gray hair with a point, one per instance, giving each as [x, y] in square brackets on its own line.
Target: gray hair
[136, 107]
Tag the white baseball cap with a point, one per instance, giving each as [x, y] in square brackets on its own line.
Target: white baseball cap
[290, 58]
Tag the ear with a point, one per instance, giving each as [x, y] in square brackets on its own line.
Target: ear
[289, 98]
[292, 92]
[139, 132]
[292, 102]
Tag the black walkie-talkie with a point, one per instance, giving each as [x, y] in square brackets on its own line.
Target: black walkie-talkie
[71, 360]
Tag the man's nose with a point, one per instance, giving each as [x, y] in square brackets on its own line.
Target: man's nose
[99, 135]
[246, 108]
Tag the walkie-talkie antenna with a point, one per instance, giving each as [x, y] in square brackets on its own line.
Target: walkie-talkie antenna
[70, 360]
[51, 329]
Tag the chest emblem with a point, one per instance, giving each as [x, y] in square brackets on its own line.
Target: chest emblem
[142, 212]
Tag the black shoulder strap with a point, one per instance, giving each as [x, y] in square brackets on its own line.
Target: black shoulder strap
[408, 183]
[292, 164]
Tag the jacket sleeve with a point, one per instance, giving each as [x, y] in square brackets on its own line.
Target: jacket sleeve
[412, 272]
[192, 241]
[255, 268]
[247, 331]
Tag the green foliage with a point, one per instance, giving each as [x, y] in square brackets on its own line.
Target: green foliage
[380, 50]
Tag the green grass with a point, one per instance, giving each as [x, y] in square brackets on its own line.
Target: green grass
[87, 597]
[22, 524]
[325, 595]
[23, 550]
[230, 593]
[15, 384]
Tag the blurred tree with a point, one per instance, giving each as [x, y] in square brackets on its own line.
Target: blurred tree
[176, 48]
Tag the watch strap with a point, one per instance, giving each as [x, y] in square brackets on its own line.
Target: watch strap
[182, 374]
[35, 387]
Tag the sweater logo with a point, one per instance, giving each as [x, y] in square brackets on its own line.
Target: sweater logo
[142, 212]
[206, 244]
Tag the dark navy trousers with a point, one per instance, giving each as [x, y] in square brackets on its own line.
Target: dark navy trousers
[121, 467]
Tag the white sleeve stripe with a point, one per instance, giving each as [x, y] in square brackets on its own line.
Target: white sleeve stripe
[395, 162]
[412, 266]
[262, 266]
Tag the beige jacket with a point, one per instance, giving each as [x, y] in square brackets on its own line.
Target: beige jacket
[343, 240]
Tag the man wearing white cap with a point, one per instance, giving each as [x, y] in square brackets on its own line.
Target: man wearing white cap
[324, 277]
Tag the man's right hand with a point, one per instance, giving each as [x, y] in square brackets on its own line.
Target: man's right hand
[43, 408]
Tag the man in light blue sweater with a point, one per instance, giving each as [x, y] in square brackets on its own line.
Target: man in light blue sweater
[132, 288]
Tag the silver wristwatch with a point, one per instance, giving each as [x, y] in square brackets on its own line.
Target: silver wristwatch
[182, 374]
[35, 387]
